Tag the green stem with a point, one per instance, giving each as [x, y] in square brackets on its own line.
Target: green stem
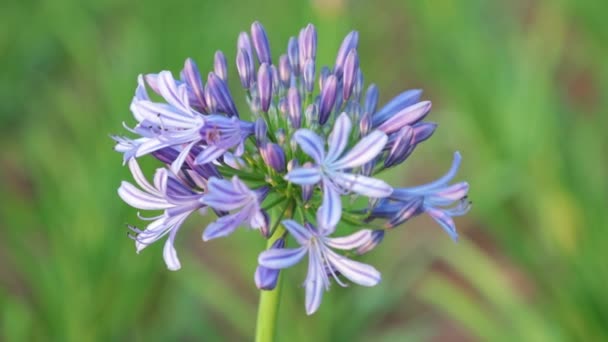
[268, 308]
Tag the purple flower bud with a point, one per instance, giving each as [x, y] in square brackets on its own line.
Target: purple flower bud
[351, 66]
[255, 105]
[284, 70]
[323, 75]
[401, 101]
[260, 43]
[293, 55]
[409, 210]
[273, 156]
[350, 42]
[267, 278]
[308, 73]
[365, 124]
[196, 90]
[358, 86]
[401, 148]
[210, 99]
[371, 99]
[220, 92]
[423, 131]
[274, 76]
[328, 98]
[294, 107]
[407, 116]
[311, 114]
[265, 224]
[260, 131]
[264, 86]
[282, 105]
[244, 66]
[244, 43]
[220, 66]
[307, 44]
[353, 109]
[368, 168]
[233, 161]
[377, 237]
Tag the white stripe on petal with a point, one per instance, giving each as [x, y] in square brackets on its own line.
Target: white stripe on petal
[330, 211]
[366, 150]
[314, 286]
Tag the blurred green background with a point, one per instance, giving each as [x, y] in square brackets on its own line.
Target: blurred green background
[519, 87]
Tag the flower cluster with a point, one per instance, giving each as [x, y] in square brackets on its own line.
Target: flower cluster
[299, 165]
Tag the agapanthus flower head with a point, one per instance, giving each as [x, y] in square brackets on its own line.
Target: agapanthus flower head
[291, 165]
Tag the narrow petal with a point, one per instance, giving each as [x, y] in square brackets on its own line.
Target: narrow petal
[362, 185]
[224, 226]
[338, 139]
[406, 117]
[181, 158]
[139, 199]
[445, 221]
[139, 177]
[169, 252]
[276, 258]
[351, 241]
[300, 233]
[366, 149]
[423, 189]
[311, 144]
[403, 100]
[209, 154]
[330, 211]
[304, 176]
[314, 286]
[358, 273]
[449, 194]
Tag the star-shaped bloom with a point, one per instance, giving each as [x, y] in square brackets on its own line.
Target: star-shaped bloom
[233, 196]
[334, 169]
[323, 262]
[168, 193]
[438, 199]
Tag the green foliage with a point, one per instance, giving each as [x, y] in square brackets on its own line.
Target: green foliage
[518, 87]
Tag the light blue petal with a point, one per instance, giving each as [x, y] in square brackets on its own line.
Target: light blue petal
[304, 176]
[406, 117]
[366, 186]
[424, 189]
[338, 139]
[330, 211]
[445, 221]
[366, 150]
[403, 100]
[314, 285]
[279, 258]
[351, 241]
[139, 199]
[169, 252]
[311, 144]
[358, 273]
[448, 194]
[301, 234]
[224, 226]
[209, 154]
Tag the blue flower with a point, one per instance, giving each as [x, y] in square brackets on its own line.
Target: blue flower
[169, 194]
[438, 199]
[235, 196]
[323, 262]
[334, 169]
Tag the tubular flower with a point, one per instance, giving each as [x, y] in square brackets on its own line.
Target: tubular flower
[311, 140]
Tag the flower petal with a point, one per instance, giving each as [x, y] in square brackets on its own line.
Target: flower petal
[311, 144]
[445, 221]
[209, 154]
[139, 199]
[423, 189]
[366, 149]
[351, 241]
[406, 117]
[359, 273]
[362, 185]
[304, 176]
[403, 100]
[223, 226]
[169, 252]
[139, 177]
[276, 258]
[330, 211]
[300, 233]
[314, 286]
[338, 139]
